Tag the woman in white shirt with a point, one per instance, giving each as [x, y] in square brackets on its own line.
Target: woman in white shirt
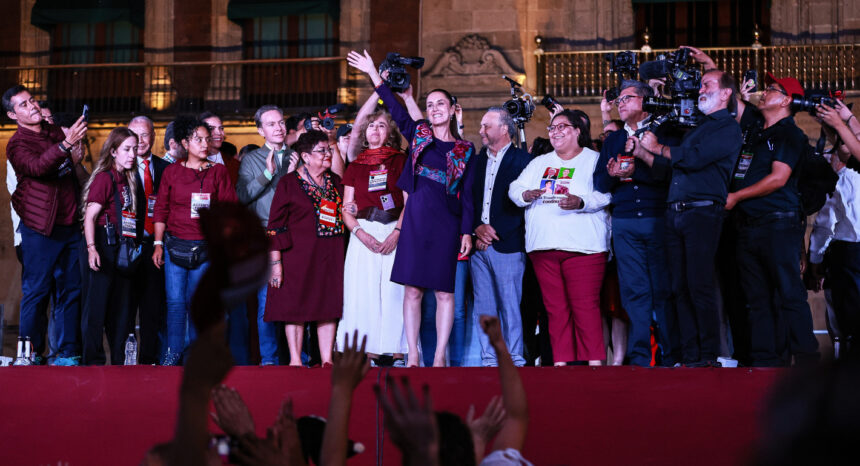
[567, 238]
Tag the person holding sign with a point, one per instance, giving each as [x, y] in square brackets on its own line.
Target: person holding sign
[103, 287]
[372, 303]
[186, 187]
[306, 230]
[567, 238]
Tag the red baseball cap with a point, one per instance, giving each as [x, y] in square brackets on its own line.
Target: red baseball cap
[792, 86]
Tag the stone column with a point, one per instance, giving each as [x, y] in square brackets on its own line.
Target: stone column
[225, 81]
[158, 39]
[35, 51]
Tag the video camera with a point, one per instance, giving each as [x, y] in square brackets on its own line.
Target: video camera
[624, 65]
[683, 84]
[813, 99]
[521, 107]
[327, 118]
[398, 78]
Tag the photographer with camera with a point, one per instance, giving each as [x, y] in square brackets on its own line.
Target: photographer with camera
[701, 167]
[842, 120]
[764, 190]
[639, 196]
[437, 222]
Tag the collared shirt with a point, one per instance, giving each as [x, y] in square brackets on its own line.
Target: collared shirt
[493, 163]
[839, 219]
[702, 165]
[641, 124]
[141, 166]
[216, 158]
[781, 142]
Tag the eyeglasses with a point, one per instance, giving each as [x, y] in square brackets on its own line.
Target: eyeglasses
[624, 99]
[558, 127]
[199, 140]
[323, 151]
[772, 88]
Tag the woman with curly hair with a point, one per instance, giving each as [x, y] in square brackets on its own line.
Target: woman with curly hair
[106, 304]
[373, 304]
[186, 187]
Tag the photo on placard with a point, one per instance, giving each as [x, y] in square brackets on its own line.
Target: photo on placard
[566, 173]
[562, 187]
[550, 173]
[547, 186]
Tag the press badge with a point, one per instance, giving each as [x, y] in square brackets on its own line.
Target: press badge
[129, 225]
[378, 180]
[199, 201]
[328, 213]
[387, 201]
[150, 206]
[743, 165]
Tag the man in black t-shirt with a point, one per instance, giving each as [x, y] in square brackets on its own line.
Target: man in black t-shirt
[765, 194]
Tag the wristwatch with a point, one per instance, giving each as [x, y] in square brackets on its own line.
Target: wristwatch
[64, 148]
[158, 243]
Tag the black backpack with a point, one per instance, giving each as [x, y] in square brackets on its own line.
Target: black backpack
[816, 178]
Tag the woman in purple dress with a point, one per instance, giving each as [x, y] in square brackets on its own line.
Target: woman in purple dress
[438, 216]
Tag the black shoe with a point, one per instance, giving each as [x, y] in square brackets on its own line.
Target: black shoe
[703, 363]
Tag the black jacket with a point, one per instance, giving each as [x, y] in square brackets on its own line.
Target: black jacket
[505, 217]
[158, 164]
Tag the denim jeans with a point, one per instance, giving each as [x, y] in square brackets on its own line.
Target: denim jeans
[498, 289]
[237, 334]
[459, 350]
[48, 259]
[267, 331]
[644, 282]
[179, 285]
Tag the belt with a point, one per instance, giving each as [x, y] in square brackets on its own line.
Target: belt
[686, 205]
[373, 214]
[745, 220]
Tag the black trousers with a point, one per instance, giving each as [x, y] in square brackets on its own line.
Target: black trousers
[734, 301]
[779, 317]
[691, 244]
[149, 302]
[107, 306]
[844, 279]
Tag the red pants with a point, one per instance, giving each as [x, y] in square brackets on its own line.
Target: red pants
[570, 284]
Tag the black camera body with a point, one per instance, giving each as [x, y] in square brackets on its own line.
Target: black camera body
[325, 117]
[520, 108]
[683, 84]
[812, 99]
[624, 65]
[398, 78]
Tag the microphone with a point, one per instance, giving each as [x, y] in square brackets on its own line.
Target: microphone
[513, 83]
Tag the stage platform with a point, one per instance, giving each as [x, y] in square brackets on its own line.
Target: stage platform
[579, 415]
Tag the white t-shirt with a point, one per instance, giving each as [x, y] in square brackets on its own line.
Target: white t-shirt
[548, 226]
[216, 158]
[11, 185]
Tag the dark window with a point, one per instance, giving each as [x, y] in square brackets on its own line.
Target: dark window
[113, 42]
[704, 23]
[294, 36]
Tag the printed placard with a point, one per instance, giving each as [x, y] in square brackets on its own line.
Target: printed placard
[378, 180]
[129, 224]
[328, 213]
[199, 201]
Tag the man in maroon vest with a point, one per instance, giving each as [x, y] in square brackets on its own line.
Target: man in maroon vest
[46, 199]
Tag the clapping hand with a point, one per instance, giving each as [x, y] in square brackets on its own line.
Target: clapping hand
[231, 413]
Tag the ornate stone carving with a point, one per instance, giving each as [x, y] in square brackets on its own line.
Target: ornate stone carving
[472, 56]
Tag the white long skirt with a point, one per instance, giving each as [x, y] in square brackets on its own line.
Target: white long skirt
[372, 303]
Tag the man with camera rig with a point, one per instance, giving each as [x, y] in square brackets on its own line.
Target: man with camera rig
[639, 204]
[770, 232]
[701, 167]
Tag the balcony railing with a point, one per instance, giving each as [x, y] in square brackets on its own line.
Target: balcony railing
[230, 88]
[586, 74]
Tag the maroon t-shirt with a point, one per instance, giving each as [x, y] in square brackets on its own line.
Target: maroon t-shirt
[102, 192]
[179, 186]
[358, 176]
